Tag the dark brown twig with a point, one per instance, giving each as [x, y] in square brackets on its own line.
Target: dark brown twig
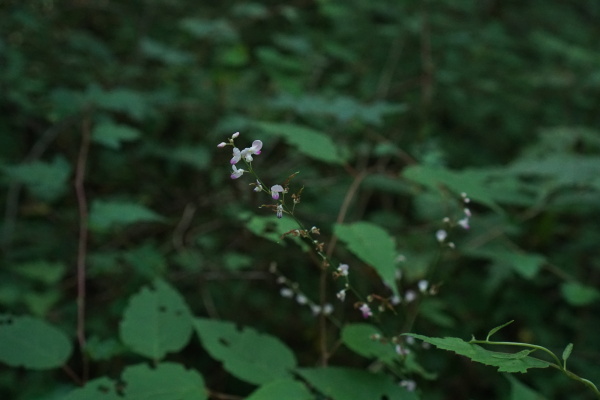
[83, 238]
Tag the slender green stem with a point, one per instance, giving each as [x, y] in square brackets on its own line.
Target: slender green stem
[558, 365]
[518, 344]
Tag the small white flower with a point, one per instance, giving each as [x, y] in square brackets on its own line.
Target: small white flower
[464, 223]
[401, 351]
[408, 384]
[237, 155]
[400, 258]
[410, 296]
[222, 144]
[366, 310]
[441, 235]
[341, 295]
[235, 135]
[395, 300]
[275, 190]
[255, 148]
[467, 212]
[301, 299]
[236, 172]
[343, 269]
[327, 309]
[286, 292]
[316, 309]
[258, 187]
[279, 211]
[423, 285]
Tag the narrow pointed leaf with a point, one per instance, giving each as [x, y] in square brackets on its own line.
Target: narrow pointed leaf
[496, 329]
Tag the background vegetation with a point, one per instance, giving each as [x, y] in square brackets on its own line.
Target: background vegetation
[111, 113]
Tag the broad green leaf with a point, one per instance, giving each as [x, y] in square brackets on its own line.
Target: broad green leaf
[97, 389]
[166, 381]
[42, 271]
[526, 265]
[156, 321]
[271, 227]
[32, 343]
[47, 181]
[99, 349]
[505, 362]
[287, 389]
[41, 301]
[519, 391]
[374, 246]
[216, 30]
[310, 142]
[107, 214]
[164, 53]
[147, 260]
[196, 156]
[471, 182]
[247, 354]
[122, 100]
[346, 383]
[358, 337]
[113, 135]
[563, 169]
[343, 108]
[578, 294]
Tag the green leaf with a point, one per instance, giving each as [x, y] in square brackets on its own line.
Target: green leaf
[97, 389]
[287, 389]
[99, 349]
[122, 100]
[113, 135]
[167, 381]
[471, 182]
[156, 321]
[577, 294]
[47, 181]
[374, 246]
[496, 329]
[525, 264]
[312, 143]
[164, 53]
[271, 227]
[42, 271]
[346, 383]
[505, 362]
[519, 391]
[196, 156]
[32, 343]
[109, 214]
[567, 352]
[250, 356]
[358, 338]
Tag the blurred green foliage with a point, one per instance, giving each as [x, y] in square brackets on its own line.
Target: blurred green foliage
[389, 110]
